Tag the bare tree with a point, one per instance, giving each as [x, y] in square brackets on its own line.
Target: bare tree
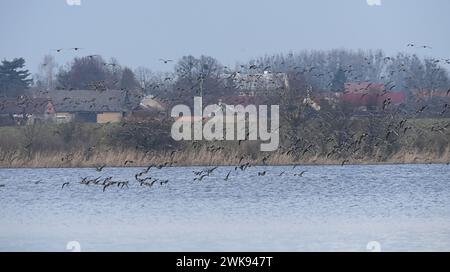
[45, 78]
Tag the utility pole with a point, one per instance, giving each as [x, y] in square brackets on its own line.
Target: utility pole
[201, 86]
[202, 78]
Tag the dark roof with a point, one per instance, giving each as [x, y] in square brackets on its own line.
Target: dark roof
[88, 100]
[24, 105]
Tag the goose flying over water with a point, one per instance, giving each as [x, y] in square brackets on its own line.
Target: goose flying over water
[227, 176]
[100, 168]
[300, 174]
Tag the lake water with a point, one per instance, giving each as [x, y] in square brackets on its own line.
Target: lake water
[329, 208]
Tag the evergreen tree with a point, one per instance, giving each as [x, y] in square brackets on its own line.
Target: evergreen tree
[14, 79]
[339, 80]
[128, 80]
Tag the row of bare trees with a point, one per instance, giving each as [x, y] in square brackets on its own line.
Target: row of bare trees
[400, 72]
[325, 70]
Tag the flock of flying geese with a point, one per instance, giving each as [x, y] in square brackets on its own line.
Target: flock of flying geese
[143, 178]
[76, 49]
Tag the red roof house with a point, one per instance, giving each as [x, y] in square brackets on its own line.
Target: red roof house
[370, 95]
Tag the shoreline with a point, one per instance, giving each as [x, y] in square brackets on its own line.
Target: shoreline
[187, 159]
[256, 165]
[79, 145]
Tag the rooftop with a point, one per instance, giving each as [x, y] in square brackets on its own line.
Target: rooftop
[25, 105]
[88, 100]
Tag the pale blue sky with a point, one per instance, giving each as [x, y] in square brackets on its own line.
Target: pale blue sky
[139, 32]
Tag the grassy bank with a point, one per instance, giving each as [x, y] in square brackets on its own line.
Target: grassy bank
[92, 145]
[128, 158]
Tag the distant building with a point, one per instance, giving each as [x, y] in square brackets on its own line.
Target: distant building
[430, 94]
[370, 96]
[256, 84]
[90, 106]
[26, 111]
[151, 103]
[365, 87]
[149, 108]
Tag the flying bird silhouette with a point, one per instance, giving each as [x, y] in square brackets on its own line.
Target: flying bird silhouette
[166, 61]
[227, 176]
[100, 168]
[300, 174]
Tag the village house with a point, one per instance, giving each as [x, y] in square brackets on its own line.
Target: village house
[367, 96]
[364, 87]
[87, 106]
[255, 84]
[149, 108]
[90, 106]
[431, 94]
[26, 111]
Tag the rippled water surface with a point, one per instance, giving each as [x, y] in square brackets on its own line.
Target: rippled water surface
[402, 207]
